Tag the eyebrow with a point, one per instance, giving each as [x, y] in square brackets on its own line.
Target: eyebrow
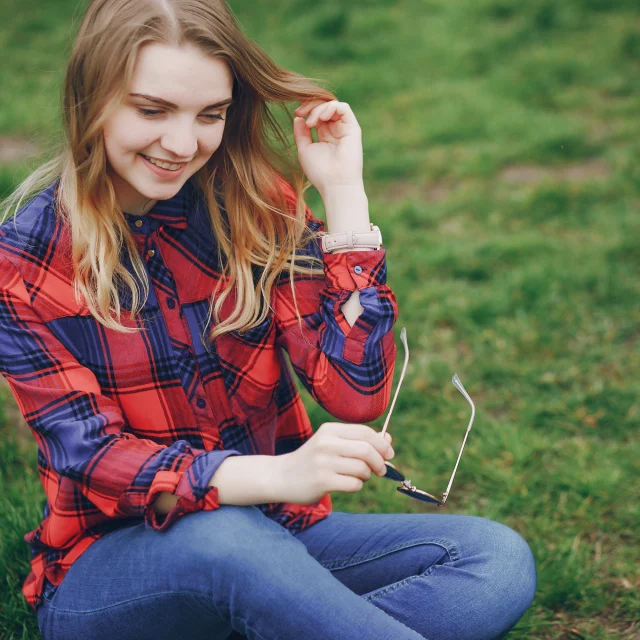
[170, 105]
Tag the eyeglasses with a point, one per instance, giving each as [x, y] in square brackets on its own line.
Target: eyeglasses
[392, 472]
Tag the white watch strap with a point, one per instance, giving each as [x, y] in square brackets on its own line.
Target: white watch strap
[352, 239]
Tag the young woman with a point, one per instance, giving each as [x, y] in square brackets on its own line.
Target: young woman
[148, 294]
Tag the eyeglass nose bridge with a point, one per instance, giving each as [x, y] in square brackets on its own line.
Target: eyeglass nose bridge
[408, 489]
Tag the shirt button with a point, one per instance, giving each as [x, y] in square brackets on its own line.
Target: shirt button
[201, 403]
[171, 303]
[138, 223]
[151, 253]
[358, 269]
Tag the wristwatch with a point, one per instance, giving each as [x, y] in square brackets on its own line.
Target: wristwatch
[352, 239]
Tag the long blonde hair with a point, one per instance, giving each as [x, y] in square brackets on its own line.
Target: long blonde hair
[261, 186]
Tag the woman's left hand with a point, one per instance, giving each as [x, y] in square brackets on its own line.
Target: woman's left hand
[336, 159]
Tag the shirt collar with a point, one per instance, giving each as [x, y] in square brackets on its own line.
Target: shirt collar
[172, 212]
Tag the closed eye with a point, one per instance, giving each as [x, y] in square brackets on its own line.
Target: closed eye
[151, 113]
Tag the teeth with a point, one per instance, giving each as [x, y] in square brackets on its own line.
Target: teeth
[164, 165]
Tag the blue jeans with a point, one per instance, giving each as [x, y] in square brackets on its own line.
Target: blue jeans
[234, 573]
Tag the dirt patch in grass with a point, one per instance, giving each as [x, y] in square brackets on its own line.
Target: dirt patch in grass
[399, 190]
[438, 191]
[14, 149]
[516, 174]
[577, 172]
[429, 191]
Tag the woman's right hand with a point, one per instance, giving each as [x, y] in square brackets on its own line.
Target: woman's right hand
[338, 457]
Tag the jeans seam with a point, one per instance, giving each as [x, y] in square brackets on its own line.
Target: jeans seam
[392, 587]
[451, 550]
[150, 595]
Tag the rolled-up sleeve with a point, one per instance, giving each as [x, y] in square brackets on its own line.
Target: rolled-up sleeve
[190, 486]
[347, 369]
[365, 271]
[92, 461]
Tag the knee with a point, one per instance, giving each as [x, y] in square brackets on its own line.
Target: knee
[506, 563]
[516, 560]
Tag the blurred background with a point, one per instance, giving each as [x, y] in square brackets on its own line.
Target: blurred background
[501, 157]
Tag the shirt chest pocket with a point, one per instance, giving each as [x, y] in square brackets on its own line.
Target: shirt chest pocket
[118, 360]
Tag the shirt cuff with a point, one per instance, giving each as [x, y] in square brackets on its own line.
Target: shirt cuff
[366, 272]
[350, 270]
[190, 486]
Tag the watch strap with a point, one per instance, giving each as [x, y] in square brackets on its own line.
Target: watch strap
[352, 239]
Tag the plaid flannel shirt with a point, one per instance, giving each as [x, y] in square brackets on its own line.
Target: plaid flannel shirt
[118, 418]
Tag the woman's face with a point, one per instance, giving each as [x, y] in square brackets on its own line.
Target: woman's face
[184, 133]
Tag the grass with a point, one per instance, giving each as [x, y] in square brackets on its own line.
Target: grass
[501, 145]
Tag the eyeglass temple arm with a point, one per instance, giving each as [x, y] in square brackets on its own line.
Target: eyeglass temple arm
[403, 337]
[458, 385]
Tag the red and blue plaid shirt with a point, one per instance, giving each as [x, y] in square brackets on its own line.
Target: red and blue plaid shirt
[120, 418]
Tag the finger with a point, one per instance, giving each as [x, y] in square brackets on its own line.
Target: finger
[330, 114]
[321, 113]
[388, 452]
[301, 134]
[313, 116]
[343, 112]
[354, 467]
[348, 484]
[306, 107]
[383, 445]
[364, 451]
[355, 431]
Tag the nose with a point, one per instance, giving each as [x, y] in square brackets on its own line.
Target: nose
[180, 140]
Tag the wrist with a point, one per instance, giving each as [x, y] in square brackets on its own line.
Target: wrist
[248, 479]
[346, 208]
[351, 187]
[274, 472]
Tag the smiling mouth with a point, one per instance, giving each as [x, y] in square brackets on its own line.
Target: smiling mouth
[171, 166]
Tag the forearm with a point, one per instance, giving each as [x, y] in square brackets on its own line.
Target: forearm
[346, 209]
[241, 480]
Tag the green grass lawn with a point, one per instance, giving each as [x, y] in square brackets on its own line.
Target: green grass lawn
[501, 164]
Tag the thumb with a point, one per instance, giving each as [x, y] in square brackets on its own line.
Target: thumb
[301, 134]
[387, 435]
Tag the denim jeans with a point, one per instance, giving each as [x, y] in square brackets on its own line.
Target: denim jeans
[234, 573]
